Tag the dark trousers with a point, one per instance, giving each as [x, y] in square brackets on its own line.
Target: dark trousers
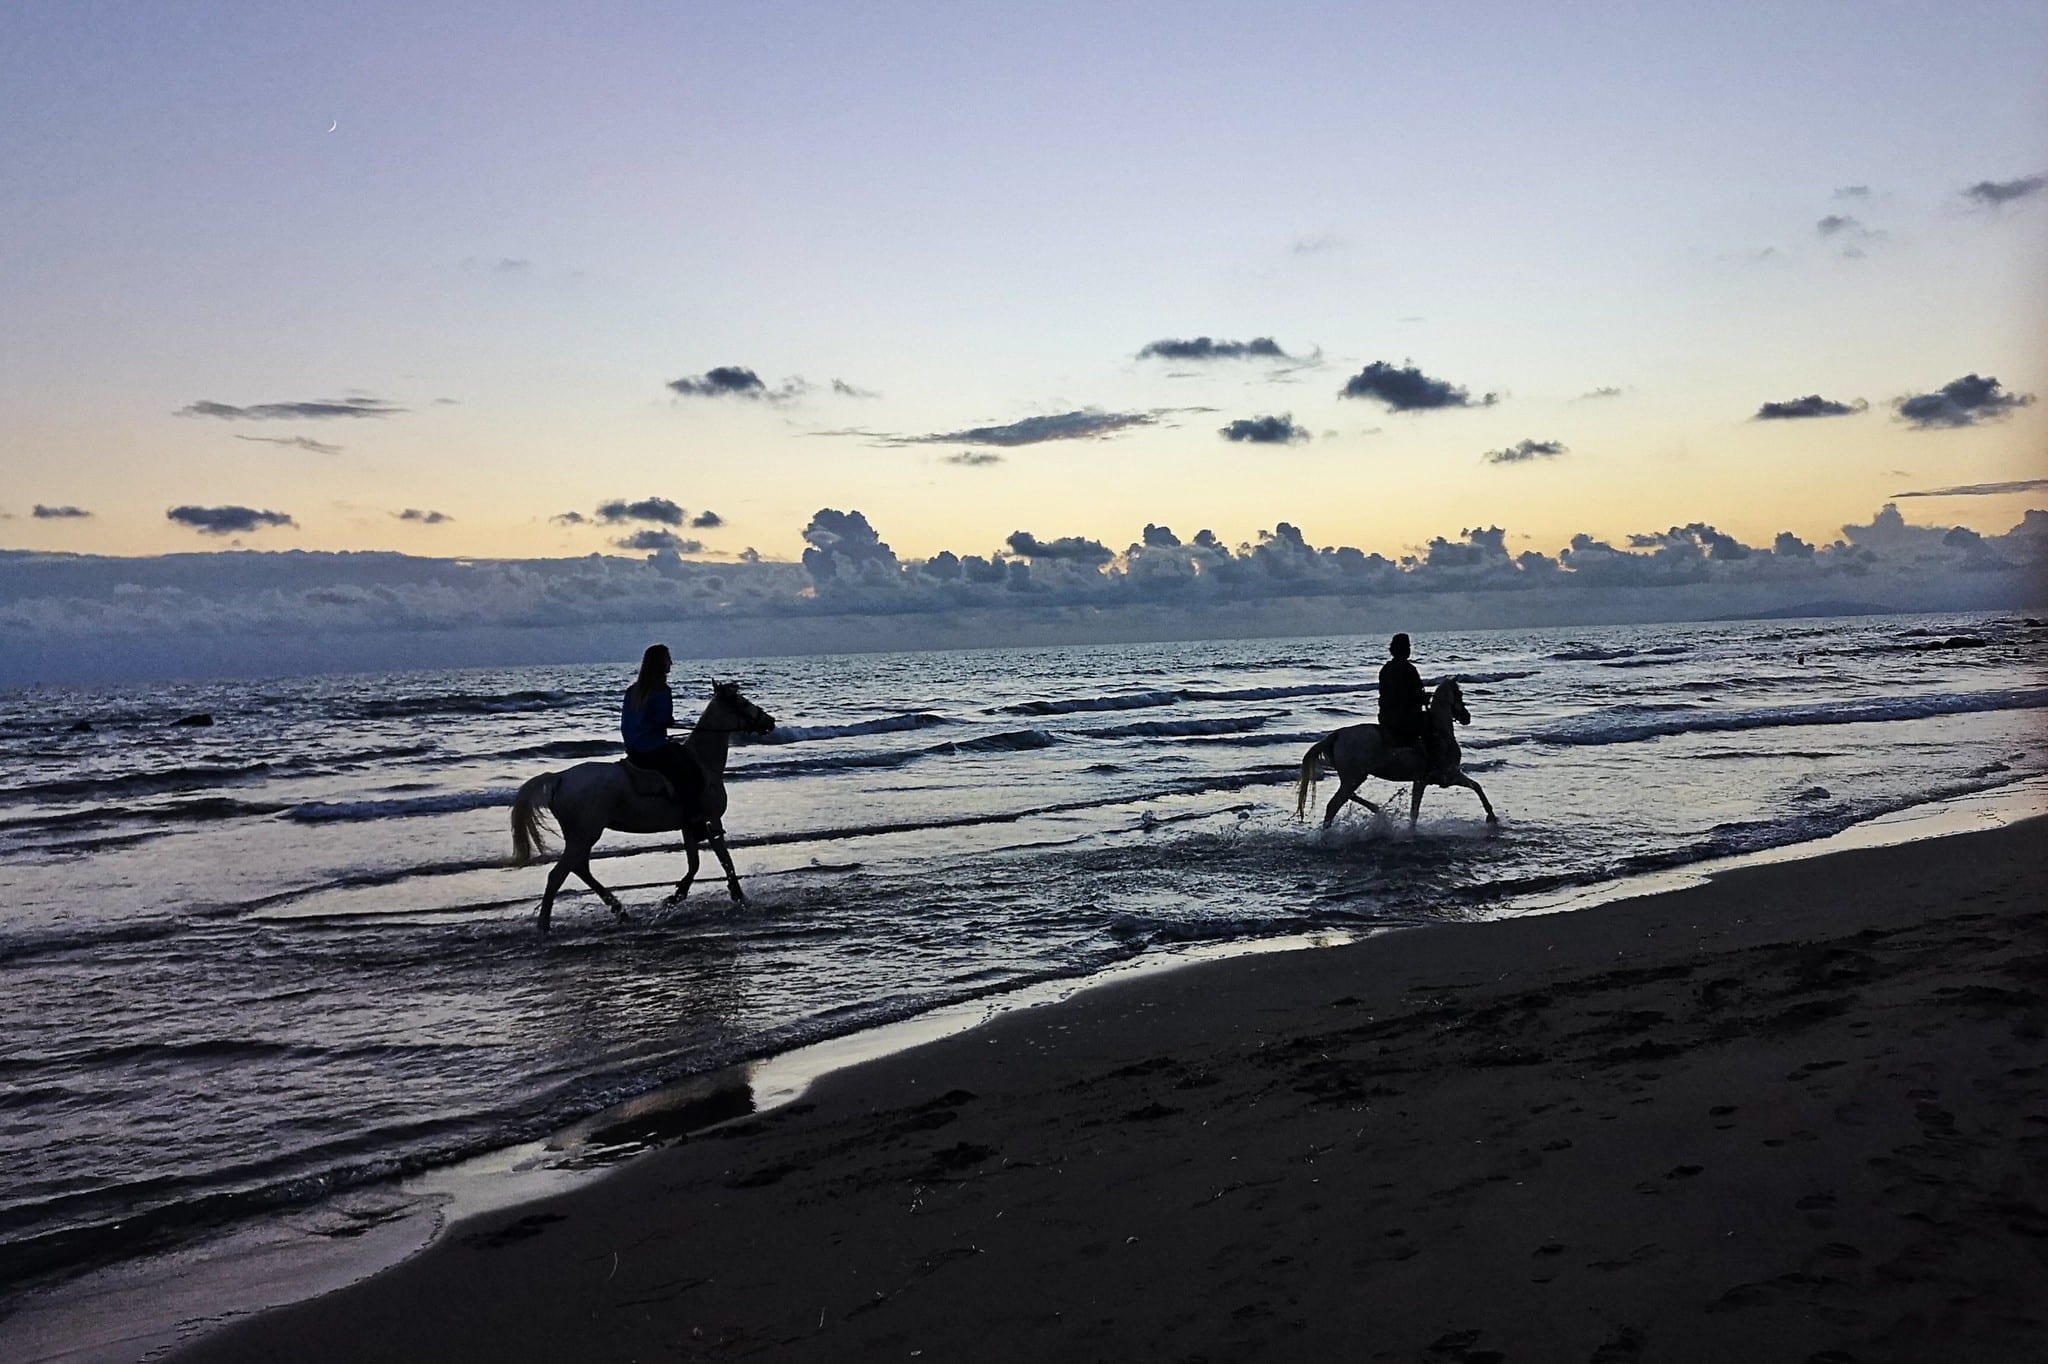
[1404, 732]
[673, 761]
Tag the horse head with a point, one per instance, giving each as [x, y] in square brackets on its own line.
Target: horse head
[1450, 697]
[747, 717]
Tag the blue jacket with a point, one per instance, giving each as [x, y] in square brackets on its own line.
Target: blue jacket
[646, 727]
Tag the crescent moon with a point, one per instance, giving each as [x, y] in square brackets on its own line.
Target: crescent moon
[336, 123]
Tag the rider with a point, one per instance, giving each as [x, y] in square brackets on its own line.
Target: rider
[645, 720]
[1404, 719]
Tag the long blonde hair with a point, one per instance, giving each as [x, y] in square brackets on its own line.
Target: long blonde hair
[654, 665]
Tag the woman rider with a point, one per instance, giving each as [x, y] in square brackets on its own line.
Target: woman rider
[645, 720]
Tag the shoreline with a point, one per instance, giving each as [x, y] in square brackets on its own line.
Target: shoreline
[271, 1272]
[1789, 1113]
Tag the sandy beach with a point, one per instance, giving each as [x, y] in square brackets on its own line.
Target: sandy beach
[1797, 1113]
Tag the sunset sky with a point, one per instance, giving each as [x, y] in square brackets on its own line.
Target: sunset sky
[449, 279]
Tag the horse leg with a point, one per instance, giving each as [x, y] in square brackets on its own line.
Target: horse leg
[556, 875]
[1462, 780]
[581, 867]
[1415, 802]
[1366, 803]
[682, 889]
[732, 878]
[1345, 792]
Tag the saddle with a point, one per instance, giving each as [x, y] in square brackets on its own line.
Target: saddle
[647, 783]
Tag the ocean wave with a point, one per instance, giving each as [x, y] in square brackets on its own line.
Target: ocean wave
[451, 802]
[1278, 693]
[1174, 729]
[206, 809]
[463, 703]
[198, 776]
[888, 724]
[1607, 728]
[566, 748]
[1074, 705]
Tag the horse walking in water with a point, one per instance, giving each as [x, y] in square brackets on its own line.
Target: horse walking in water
[589, 798]
[1357, 752]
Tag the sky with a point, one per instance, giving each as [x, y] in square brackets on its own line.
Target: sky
[525, 283]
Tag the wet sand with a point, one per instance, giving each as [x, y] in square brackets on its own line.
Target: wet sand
[1798, 1113]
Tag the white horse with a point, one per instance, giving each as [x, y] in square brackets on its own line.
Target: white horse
[589, 798]
[1358, 752]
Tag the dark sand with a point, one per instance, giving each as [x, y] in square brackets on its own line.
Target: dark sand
[1800, 1113]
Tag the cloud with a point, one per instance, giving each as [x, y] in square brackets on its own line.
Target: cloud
[2020, 485]
[1961, 402]
[1407, 389]
[425, 518]
[229, 520]
[736, 381]
[844, 544]
[659, 540]
[1711, 542]
[1068, 548]
[43, 513]
[1206, 348]
[657, 509]
[1523, 451]
[318, 447]
[846, 390]
[706, 520]
[1608, 391]
[1849, 232]
[974, 459]
[1853, 192]
[1996, 193]
[317, 409]
[83, 616]
[1088, 424]
[1812, 405]
[570, 518]
[1279, 430]
[1318, 245]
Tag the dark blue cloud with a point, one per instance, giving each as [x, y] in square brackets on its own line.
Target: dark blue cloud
[657, 540]
[229, 520]
[1405, 388]
[975, 459]
[1089, 424]
[318, 408]
[317, 447]
[1523, 451]
[1068, 548]
[1994, 193]
[736, 381]
[425, 518]
[43, 513]
[1812, 405]
[706, 520]
[1279, 430]
[1961, 402]
[656, 509]
[1206, 348]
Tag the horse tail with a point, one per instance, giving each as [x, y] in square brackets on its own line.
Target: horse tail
[1311, 768]
[527, 835]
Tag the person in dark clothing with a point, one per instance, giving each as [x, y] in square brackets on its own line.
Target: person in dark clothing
[1404, 716]
[646, 718]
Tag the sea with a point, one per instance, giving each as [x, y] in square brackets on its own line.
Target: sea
[252, 965]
